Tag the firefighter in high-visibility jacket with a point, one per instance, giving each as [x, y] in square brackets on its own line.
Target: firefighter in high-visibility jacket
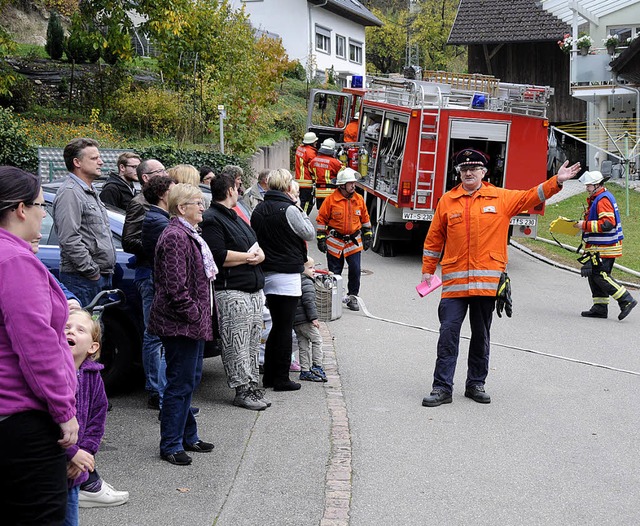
[325, 168]
[602, 235]
[351, 131]
[468, 237]
[305, 153]
[344, 231]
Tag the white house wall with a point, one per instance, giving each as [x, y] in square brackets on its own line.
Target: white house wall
[626, 17]
[295, 20]
[346, 28]
[287, 18]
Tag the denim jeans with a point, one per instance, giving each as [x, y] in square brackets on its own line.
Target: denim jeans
[184, 371]
[72, 518]
[85, 289]
[452, 312]
[336, 265]
[152, 356]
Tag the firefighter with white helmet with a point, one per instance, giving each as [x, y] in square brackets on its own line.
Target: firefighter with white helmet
[344, 231]
[325, 168]
[305, 153]
[602, 236]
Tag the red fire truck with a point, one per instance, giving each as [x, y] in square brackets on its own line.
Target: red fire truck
[409, 131]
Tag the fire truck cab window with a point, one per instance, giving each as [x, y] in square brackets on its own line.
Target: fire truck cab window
[330, 110]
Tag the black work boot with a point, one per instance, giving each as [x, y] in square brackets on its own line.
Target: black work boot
[596, 311]
[477, 394]
[625, 307]
[436, 398]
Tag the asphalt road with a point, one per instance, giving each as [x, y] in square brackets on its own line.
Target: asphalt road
[558, 445]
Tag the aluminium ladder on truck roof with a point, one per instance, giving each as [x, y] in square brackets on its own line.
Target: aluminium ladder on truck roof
[460, 91]
[444, 90]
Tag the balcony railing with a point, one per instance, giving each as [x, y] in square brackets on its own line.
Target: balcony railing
[593, 69]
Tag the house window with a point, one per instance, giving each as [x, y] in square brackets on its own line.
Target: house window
[355, 51]
[323, 39]
[625, 34]
[341, 46]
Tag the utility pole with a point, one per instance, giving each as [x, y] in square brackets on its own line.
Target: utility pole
[412, 52]
[223, 116]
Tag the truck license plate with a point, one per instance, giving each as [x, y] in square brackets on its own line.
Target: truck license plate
[523, 221]
[411, 215]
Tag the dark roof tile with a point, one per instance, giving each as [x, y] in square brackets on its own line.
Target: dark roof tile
[502, 21]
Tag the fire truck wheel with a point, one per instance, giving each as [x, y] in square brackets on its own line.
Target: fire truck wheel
[384, 247]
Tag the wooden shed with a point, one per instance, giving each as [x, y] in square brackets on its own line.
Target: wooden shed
[517, 41]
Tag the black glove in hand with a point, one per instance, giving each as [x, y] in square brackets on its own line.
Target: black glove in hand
[503, 296]
[586, 270]
[367, 238]
[590, 263]
[322, 244]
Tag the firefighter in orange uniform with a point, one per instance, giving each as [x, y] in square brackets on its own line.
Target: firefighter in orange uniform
[325, 168]
[344, 231]
[351, 131]
[305, 153]
[468, 237]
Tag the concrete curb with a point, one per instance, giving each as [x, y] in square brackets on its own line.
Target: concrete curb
[337, 491]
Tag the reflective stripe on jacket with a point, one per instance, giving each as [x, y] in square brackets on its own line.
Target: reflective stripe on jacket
[469, 233]
[324, 169]
[342, 219]
[305, 153]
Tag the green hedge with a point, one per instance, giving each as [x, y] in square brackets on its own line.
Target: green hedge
[14, 144]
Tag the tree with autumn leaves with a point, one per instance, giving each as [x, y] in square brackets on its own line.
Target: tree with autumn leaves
[421, 26]
[210, 53]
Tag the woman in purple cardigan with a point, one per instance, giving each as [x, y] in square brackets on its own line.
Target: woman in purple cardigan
[181, 312]
[37, 375]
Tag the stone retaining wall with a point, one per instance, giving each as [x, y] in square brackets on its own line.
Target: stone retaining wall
[278, 155]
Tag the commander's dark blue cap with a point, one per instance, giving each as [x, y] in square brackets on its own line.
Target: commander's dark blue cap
[470, 156]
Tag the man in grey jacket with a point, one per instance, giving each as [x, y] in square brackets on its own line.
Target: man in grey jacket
[255, 194]
[87, 252]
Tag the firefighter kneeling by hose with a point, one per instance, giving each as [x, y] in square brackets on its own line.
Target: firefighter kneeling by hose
[344, 230]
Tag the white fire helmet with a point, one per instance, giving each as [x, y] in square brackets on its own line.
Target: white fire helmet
[347, 175]
[309, 138]
[593, 177]
[356, 115]
[329, 144]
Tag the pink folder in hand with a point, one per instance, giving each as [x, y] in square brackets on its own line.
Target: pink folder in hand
[424, 289]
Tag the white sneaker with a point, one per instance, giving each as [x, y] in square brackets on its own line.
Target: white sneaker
[107, 496]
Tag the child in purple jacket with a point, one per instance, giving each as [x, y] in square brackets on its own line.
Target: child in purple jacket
[83, 336]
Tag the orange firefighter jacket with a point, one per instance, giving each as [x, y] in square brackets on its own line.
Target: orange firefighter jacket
[305, 153]
[342, 220]
[324, 168]
[472, 230]
[351, 132]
